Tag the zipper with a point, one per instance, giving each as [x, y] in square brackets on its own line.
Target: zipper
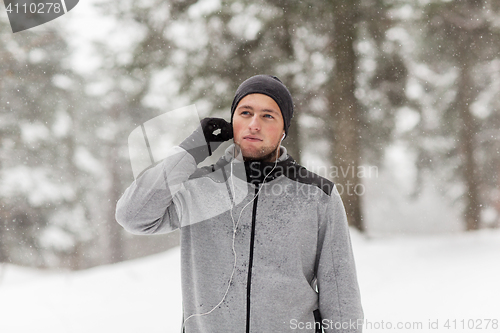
[250, 260]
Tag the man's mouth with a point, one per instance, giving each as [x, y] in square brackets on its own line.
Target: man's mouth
[251, 138]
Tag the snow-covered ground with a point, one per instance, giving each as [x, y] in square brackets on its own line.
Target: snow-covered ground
[408, 281]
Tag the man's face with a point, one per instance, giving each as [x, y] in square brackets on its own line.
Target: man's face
[258, 127]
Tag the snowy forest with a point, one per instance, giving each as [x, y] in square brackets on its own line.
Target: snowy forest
[396, 101]
[409, 90]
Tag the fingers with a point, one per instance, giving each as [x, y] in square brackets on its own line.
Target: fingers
[217, 129]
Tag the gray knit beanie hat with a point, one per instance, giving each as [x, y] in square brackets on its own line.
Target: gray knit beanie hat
[271, 86]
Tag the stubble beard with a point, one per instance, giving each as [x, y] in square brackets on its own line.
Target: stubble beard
[265, 154]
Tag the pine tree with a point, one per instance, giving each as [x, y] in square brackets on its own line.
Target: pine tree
[43, 213]
[462, 39]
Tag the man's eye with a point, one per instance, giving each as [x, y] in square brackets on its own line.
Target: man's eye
[269, 116]
[245, 112]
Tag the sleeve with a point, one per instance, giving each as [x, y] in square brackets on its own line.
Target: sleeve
[147, 205]
[339, 296]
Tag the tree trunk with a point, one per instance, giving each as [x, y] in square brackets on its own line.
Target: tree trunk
[467, 137]
[115, 239]
[293, 140]
[496, 223]
[4, 253]
[343, 113]
[116, 250]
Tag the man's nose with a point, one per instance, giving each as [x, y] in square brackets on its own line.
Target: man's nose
[254, 124]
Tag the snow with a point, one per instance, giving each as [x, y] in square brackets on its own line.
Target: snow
[33, 132]
[406, 119]
[246, 25]
[137, 296]
[203, 8]
[86, 161]
[63, 122]
[408, 280]
[34, 183]
[417, 279]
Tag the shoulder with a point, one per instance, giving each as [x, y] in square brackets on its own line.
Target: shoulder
[210, 171]
[296, 172]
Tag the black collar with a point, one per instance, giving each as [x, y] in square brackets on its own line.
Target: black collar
[257, 171]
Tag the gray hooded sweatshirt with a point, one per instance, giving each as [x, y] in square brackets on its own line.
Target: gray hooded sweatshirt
[265, 247]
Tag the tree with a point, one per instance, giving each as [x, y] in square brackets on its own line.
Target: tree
[43, 214]
[344, 110]
[362, 103]
[462, 37]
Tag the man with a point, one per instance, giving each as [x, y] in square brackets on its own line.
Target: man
[268, 251]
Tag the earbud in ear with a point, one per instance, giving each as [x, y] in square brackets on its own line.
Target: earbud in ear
[282, 137]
